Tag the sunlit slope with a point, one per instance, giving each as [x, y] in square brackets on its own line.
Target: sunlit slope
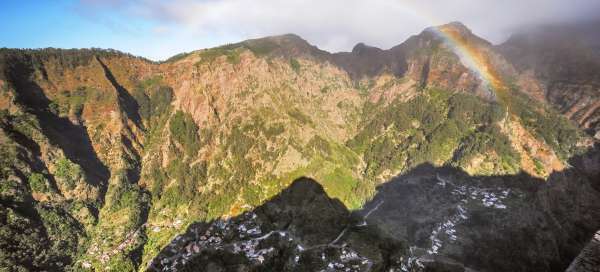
[124, 153]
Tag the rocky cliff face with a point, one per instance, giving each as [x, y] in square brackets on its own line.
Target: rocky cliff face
[107, 157]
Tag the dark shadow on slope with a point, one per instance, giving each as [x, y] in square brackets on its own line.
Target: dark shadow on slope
[72, 139]
[25, 240]
[425, 74]
[127, 101]
[492, 223]
[32, 158]
[132, 172]
[301, 229]
[448, 220]
[371, 61]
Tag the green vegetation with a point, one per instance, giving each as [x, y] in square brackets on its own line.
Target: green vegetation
[188, 178]
[364, 86]
[231, 53]
[128, 201]
[239, 144]
[490, 139]
[68, 173]
[299, 116]
[40, 238]
[65, 58]
[261, 47]
[153, 98]
[177, 57]
[556, 130]
[54, 108]
[539, 168]
[7, 160]
[295, 65]
[189, 171]
[125, 196]
[69, 102]
[61, 227]
[185, 131]
[274, 130]
[38, 183]
[432, 127]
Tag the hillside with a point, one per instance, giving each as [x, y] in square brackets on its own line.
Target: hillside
[107, 157]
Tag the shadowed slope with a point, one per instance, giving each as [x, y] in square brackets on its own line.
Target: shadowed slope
[451, 221]
[301, 229]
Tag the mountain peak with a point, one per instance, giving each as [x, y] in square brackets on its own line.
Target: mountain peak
[288, 37]
[288, 45]
[280, 40]
[456, 30]
[361, 49]
[455, 27]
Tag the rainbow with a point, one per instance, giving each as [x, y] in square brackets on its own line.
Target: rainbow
[475, 59]
[470, 54]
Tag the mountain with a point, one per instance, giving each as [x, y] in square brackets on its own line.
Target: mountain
[107, 157]
[448, 221]
[566, 61]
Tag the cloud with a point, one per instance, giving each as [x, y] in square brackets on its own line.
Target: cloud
[337, 25]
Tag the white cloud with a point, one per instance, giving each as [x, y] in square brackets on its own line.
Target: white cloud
[337, 25]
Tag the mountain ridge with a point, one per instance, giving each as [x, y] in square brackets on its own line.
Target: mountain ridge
[112, 156]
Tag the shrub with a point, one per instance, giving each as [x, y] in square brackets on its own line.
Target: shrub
[274, 130]
[473, 110]
[558, 132]
[153, 98]
[231, 53]
[69, 102]
[68, 172]
[261, 47]
[54, 108]
[430, 128]
[38, 183]
[188, 178]
[143, 101]
[295, 65]
[160, 100]
[299, 116]
[489, 139]
[185, 131]
[158, 178]
[319, 145]
[177, 57]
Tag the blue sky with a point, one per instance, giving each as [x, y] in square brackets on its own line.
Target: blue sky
[71, 24]
[158, 29]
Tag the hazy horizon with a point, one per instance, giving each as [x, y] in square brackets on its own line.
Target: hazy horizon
[157, 29]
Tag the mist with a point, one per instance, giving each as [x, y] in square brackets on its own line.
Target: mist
[337, 25]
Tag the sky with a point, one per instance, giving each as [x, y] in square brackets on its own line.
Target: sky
[158, 29]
